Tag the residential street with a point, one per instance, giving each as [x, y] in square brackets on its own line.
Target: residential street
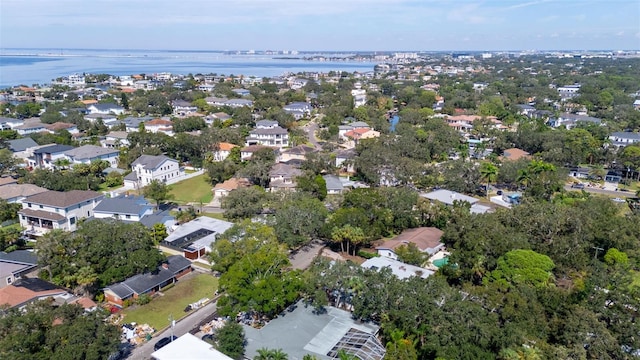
[144, 351]
[620, 194]
[310, 128]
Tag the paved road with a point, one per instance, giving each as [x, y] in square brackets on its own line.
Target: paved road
[144, 351]
[620, 194]
[310, 128]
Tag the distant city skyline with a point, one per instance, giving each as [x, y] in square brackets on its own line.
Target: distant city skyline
[339, 25]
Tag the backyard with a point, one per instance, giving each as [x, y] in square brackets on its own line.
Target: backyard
[173, 302]
[194, 190]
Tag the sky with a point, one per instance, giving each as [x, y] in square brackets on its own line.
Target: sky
[305, 25]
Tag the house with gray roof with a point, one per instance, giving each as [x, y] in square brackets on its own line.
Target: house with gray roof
[159, 217]
[148, 283]
[30, 126]
[448, 197]
[148, 168]
[46, 157]
[183, 108]
[266, 124]
[195, 237]
[105, 109]
[115, 139]
[86, 154]
[20, 145]
[236, 103]
[9, 123]
[572, 120]
[50, 210]
[321, 335]
[299, 110]
[15, 264]
[123, 207]
[275, 136]
[283, 177]
[15, 193]
[334, 185]
[621, 139]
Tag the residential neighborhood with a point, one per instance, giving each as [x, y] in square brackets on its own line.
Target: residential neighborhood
[365, 214]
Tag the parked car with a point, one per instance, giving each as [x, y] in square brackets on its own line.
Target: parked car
[163, 342]
[578, 186]
[618, 200]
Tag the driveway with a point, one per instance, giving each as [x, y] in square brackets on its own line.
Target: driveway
[302, 258]
[183, 326]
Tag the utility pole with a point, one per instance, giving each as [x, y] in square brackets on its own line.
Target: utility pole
[172, 323]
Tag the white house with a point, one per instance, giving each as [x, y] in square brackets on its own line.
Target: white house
[127, 208]
[359, 96]
[30, 126]
[298, 109]
[223, 151]
[105, 109]
[50, 210]
[46, 157]
[116, 139]
[624, 138]
[87, 154]
[275, 136]
[183, 108]
[147, 168]
[159, 125]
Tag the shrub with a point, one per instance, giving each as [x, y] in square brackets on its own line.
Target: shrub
[367, 255]
[143, 299]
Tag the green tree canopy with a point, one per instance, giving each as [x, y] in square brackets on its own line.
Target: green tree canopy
[524, 267]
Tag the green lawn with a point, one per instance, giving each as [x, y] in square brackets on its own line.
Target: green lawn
[187, 291]
[194, 190]
[219, 216]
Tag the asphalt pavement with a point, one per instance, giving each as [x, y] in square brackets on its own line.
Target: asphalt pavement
[595, 190]
[183, 326]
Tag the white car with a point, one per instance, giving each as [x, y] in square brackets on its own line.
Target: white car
[618, 200]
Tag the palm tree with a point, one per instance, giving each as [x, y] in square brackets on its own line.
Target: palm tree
[269, 354]
[488, 173]
[524, 177]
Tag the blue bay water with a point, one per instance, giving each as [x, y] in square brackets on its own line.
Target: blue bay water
[41, 66]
